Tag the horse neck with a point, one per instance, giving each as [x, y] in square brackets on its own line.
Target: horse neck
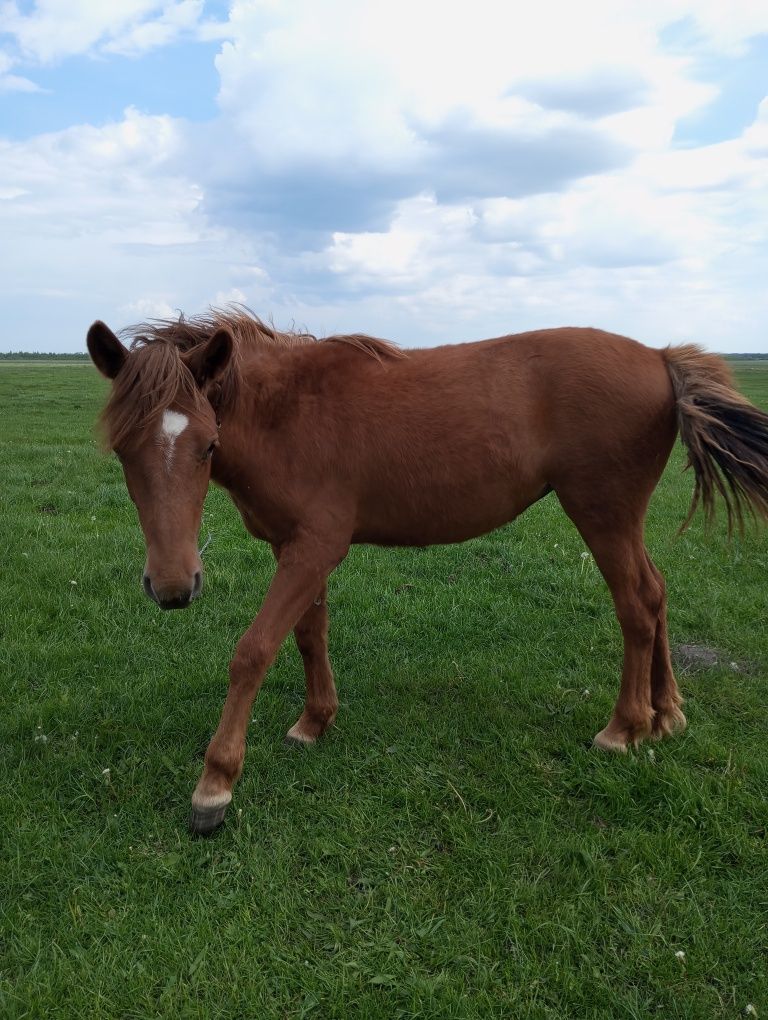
[264, 382]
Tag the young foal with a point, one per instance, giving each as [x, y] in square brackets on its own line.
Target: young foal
[324, 444]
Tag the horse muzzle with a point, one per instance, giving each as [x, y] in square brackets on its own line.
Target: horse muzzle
[173, 594]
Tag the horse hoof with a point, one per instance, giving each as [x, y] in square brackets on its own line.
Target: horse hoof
[609, 742]
[296, 737]
[205, 821]
[291, 740]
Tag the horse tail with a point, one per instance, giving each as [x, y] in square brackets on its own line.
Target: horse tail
[726, 436]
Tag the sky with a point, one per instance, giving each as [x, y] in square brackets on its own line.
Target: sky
[413, 169]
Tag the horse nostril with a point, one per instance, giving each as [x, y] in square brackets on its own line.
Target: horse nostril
[148, 589]
[197, 584]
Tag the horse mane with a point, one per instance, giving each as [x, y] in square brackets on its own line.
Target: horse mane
[154, 374]
[370, 345]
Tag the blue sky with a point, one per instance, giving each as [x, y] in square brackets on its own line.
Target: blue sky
[425, 172]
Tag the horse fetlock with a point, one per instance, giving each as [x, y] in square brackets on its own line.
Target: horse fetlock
[668, 720]
[222, 768]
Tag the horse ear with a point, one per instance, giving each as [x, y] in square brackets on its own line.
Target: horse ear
[209, 361]
[106, 351]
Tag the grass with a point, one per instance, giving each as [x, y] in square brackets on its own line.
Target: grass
[452, 849]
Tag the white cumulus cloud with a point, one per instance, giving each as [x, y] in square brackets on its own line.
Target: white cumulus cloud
[426, 171]
[50, 30]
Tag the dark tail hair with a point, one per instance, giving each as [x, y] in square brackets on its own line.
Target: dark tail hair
[726, 436]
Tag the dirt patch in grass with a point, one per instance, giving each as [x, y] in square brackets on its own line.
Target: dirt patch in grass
[694, 658]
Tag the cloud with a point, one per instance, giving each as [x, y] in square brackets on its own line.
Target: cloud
[17, 83]
[102, 182]
[152, 306]
[328, 123]
[668, 248]
[103, 216]
[725, 28]
[174, 21]
[13, 82]
[55, 29]
[469, 160]
[425, 171]
[592, 94]
[756, 135]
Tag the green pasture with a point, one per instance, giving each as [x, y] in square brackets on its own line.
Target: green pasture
[453, 849]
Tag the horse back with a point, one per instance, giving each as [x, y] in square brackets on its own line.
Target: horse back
[454, 441]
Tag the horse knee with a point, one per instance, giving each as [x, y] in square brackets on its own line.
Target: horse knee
[252, 657]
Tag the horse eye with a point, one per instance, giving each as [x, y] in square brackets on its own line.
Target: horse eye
[211, 448]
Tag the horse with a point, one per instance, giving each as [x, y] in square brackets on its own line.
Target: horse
[351, 439]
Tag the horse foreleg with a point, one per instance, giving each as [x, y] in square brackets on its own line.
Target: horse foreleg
[311, 634]
[302, 571]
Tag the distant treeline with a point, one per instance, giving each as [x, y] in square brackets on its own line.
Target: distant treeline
[38, 356]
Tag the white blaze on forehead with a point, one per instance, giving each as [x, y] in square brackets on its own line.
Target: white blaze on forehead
[171, 427]
[173, 424]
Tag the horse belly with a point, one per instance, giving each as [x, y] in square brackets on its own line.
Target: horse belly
[433, 514]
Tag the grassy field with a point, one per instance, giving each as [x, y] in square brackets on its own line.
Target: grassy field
[453, 849]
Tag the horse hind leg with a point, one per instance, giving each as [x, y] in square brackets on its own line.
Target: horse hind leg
[637, 599]
[666, 699]
[620, 554]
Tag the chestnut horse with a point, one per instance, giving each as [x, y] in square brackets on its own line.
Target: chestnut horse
[322, 444]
